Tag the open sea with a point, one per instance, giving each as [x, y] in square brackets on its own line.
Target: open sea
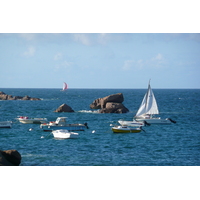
[160, 145]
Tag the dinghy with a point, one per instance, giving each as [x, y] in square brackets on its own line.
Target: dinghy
[126, 129]
[64, 134]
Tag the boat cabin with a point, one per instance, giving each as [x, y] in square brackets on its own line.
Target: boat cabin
[61, 121]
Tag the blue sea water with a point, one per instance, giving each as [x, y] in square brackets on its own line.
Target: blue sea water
[160, 145]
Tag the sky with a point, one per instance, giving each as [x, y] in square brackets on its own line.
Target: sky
[111, 44]
[99, 60]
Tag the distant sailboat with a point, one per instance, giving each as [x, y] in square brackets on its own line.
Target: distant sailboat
[64, 86]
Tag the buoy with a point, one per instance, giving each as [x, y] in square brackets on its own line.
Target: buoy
[30, 129]
[93, 131]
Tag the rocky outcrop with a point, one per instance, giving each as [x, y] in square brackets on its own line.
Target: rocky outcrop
[4, 96]
[110, 104]
[64, 108]
[112, 107]
[10, 158]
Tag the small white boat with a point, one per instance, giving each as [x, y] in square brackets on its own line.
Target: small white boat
[131, 123]
[126, 129]
[27, 120]
[64, 134]
[61, 123]
[5, 124]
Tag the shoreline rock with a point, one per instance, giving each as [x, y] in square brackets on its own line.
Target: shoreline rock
[10, 158]
[4, 96]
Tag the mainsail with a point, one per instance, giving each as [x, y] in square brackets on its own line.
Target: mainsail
[64, 86]
[148, 105]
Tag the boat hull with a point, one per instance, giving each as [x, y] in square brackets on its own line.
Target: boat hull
[26, 120]
[34, 121]
[131, 123]
[62, 134]
[154, 121]
[5, 124]
[120, 129]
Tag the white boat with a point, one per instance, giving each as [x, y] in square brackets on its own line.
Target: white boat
[131, 123]
[64, 86]
[126, 129]
[61, 123]
[5, 124]
[146, 112]
[149, 108]
[64, 134]
[27, 120]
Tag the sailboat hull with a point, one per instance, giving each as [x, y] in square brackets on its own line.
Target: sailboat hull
[154, 121]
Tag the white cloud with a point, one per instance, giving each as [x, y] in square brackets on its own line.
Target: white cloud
[30, 51]
[158, 57]
[157, 61]
[28, 36]
[127, 64]
[58, 56]
[66, 65]
[83, 38]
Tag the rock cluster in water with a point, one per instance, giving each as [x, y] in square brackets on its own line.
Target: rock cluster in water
[110, 104]
[10, 158]
[4, 96]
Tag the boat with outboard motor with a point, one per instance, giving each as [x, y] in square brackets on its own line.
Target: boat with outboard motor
[61, 123]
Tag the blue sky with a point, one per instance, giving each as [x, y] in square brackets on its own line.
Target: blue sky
[123, 60]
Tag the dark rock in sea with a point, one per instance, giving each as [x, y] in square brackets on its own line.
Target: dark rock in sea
[110, 104]
[112, 107]
[10, 158]
[101, 102]
[64, 108]
[4, 96]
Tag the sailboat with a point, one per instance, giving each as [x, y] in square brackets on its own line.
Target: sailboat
[148, 109]
[64, 86]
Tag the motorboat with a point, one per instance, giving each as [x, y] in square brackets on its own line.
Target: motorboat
[126, 129]
[6, 124]
[27, 120]
[64, 134]
[61, 123]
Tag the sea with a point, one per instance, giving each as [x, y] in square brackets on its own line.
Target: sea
[158, 145]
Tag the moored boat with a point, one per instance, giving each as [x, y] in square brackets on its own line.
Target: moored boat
[5, 124]
[27, 120]
[147, 111]
[64, 134]
[131, 123]
[126, 129]
[61, 123]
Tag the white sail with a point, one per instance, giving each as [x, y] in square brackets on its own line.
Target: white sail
[64, 86]
[148, 105]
